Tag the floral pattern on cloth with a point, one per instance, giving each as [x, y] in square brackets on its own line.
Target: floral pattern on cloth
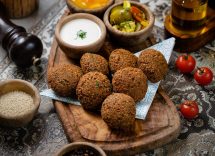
[45, 135]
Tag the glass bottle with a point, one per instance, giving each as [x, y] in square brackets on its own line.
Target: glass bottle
[189, 14]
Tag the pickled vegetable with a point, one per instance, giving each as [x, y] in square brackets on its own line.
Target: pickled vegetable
[119, 15]
[138, 27]
[128, 18]
[128, 26]
[139, 16]
[126, 5]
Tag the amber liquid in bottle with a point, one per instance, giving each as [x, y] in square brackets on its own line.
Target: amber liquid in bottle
[189, 14]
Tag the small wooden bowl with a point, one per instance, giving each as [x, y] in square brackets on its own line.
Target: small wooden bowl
[98, 12]
[19, 85]
[130, 38]
[76, 52]
[80, 145]
[20, 8]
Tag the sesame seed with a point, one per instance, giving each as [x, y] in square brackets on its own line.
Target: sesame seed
[15, 103]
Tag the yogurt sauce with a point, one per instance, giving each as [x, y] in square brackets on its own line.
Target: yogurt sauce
[80, 32]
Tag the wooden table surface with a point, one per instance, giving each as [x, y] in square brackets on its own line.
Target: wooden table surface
[45, 135]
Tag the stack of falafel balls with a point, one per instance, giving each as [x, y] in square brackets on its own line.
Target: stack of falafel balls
[111, 87]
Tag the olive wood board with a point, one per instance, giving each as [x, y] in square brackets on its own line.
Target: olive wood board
[161, 126]
[188, 41]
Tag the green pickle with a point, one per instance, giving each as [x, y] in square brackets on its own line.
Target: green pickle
[122, 18]
[126, 5]
[116, 8]
[128, 26]
[119, 15]
[138, 27]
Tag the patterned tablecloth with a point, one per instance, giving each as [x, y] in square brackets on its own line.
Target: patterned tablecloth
[44, 135]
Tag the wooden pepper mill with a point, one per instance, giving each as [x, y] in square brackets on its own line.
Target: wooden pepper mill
[23, 49]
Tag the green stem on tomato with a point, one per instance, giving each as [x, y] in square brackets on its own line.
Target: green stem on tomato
[200, 70]
[186, 56]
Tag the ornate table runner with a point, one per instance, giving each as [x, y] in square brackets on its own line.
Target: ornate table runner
[44, 135]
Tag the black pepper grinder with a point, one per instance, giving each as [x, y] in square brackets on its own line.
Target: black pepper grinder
[211, 3]
[23, 49]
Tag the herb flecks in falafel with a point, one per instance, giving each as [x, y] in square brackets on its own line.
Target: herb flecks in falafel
[118, 111]
[92, 89]
[63, 79]
[130, 81]
[153, 64]
[93, 62]
[97, 84]
[121, 58]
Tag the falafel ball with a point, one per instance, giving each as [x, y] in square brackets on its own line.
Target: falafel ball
[93, 62]
[92, 89]
[130, 81]
[118, 111]
[153, 64]
[63, 79]
[121, 58]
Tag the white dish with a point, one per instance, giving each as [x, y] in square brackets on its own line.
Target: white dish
[80, 32]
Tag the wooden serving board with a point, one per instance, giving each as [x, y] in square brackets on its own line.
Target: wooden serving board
[161, 126]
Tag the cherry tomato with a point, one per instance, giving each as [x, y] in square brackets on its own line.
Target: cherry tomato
[203, 76]
[185, 63]
[189, 109]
